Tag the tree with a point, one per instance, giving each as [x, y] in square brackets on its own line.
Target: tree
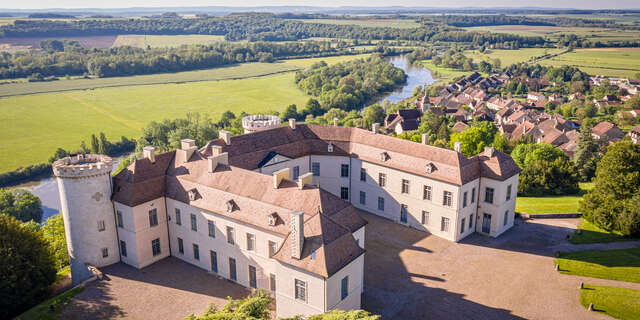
[480, 135]
[341, 315]
[586, 155]
[544, 177]
[53, 233]
[226, 118]
[372, 114]
[525, 154]
[20, 204]
[312, 107]
[613, 202]
[291, 112]
[27, 267]
[95, 144]
[254, 307]
[104, 144]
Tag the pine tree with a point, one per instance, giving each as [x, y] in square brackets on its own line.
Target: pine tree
[95, 144]
[104, 144]
[585, 157]
[443, 132]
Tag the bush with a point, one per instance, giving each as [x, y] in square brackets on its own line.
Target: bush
[21, 204]
[53, 232]
[543, 177]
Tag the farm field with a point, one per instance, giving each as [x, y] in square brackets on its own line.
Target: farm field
[616, 62]
[593, 34]
[87, 42]
[154, 41]
[391, 23]
[508, 57]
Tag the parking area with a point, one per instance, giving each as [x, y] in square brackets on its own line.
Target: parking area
[413, 275]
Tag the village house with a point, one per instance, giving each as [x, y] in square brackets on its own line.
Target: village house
[607, 132]
[634, 134]
[403, 120]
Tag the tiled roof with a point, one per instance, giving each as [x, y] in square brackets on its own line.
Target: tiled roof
[602, 128]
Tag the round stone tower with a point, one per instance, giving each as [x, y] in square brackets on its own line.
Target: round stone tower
[84, 183]
[259, 122]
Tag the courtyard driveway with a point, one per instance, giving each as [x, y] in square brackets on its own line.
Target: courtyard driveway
[168, 289]
[413, 275]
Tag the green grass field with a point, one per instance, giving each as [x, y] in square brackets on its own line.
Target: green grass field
[391, 23]
[617, 62]
[508, 57]
[444, 75]
[622, 264]
[552, 204]
[620, 303]
[553, 32]
[142, 41]
[589, 233]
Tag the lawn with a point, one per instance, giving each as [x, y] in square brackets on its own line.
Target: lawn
[621, 264]
[620, 303]
[616, 62]
[509, 57]
[589, 233]
[552, 204]
[154, 41]
[43, 312]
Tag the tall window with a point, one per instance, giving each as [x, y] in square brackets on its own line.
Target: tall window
[473, 195]
[447, 198]
[506, 217]
[315, 168]
[153, 217]
[301, 290]
[230, 236]
[196, 251]
[272, 248]
[462, 226]
[470, 222]
[232, 269]
[251, 242]
[155, 246]
[426, 193]
[344, 193]
[296, 172]
[381, 203]
[403, 213]
[119, 218]
[212, 228]
[508, 192]
[101, 225]
[178, 217]
[488, 195]
[123, 248]
[363, 174]
[253, 283]
[105, 252]
[214, 261]
[180, 246]
[425, 217]
[344, 170]
[464, 199]
[382, 179]
[363, 197]
[272, 282]
[444, 225]
[344, 287]
[194, 222]
[405, 186]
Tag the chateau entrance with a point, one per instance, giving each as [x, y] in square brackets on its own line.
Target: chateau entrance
[486, 223]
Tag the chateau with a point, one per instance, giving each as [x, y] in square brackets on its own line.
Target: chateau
[279, 209]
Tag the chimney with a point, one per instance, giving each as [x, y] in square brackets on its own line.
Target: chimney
[225, 136]
[280, 175]
[305, 180]
[375, 127]
[335, 122]
[292, 123]
[488, 152]
[149, 152]
[425, 138]
[214, 161]
[216, 150]
[188, 147]
[297, 234]
[457, 146]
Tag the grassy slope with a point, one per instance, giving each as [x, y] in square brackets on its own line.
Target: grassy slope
[508, 57]
[589, 233]
[622, 265]
[620, 303]
[620, 62]
[553, 204]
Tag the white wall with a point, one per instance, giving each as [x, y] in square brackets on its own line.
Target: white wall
[286, 304]
[500, 204]
[355, 272]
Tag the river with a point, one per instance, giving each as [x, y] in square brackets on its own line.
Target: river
[47, 189]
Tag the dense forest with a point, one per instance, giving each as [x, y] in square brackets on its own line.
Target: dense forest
[497, 20]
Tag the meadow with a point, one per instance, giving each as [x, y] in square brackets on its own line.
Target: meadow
[36, 124]
[443, 75]
[604, 35]
[154, 41]
[508, 57]
[615, 62]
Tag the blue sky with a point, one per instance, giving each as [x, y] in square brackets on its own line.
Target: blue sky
[579, 4]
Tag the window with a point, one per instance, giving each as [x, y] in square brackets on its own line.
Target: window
[470, 222]
[105, 252]
[488, 195]
[232, 269]
[296, 172]
[315, 168]
[123, 248]
[473, 195]
[301, 290]
[403, 213]
[506, 217]
[462, 226]
[119, 218]
[344, 170]
[382, 179]
[344, 288]
[194, 223]
[214, 261]
[230, 236]
[426, 193]
[180, 246]
[251, 242]
[381, 203]
[447, 198]
[153, 217]
[178, 217]
[212, 228]
[344, 193]
[508, 192]
[101, 225]
[272, 282]
[272, 248]
[464, 199]
[363, 197]
[425, 217]
[363, 174]
[155, 246]
[405, 186]
[196, 251]
[444, 225]
[253, 283]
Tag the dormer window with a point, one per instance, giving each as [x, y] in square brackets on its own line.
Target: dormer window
[330, 148]
[231, 205]
[384, 156]
[273, 219]
[430, 167]
[193, 194]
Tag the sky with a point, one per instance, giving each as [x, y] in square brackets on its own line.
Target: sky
[578, 4]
